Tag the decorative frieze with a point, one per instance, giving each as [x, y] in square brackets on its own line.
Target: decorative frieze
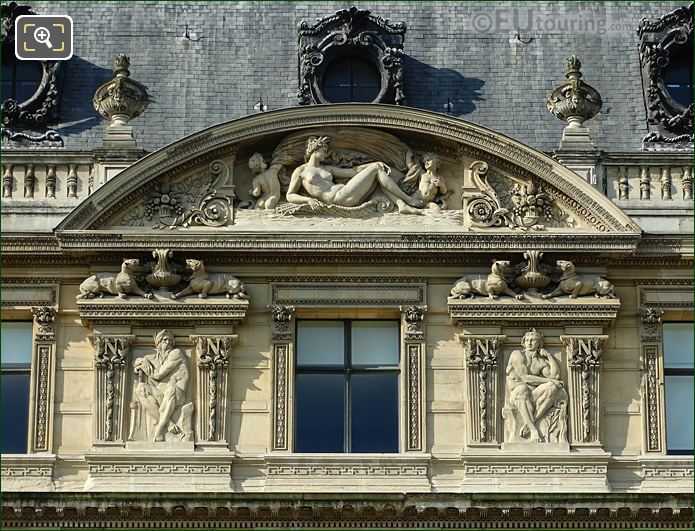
[584, 369]
[213, 353]
[481, 356]
[110, 359]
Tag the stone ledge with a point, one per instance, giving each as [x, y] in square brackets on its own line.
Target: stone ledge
[162, 311]
[667, 473]
[27, 472]
[584, 310]
[348, 472]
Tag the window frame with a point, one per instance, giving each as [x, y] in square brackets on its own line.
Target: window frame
[678, 372]
[347, 370]
[25, 369]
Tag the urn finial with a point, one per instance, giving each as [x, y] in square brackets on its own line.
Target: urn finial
[574, 101]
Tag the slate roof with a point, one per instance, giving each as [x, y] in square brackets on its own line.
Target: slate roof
[467, 53]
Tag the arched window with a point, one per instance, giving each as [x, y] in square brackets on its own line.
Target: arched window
[20, 79]
[351, 79]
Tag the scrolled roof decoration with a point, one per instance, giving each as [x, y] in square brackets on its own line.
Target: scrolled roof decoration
[661, 41]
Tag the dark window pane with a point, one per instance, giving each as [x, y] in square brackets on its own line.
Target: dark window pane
[678, 78]
[351, 79]
[15, 412]
[679, 413]
[320, 343]
[375, 343]
[15, 342]
[20, 79]
[320, 406]
[678, 345]
[374, 407]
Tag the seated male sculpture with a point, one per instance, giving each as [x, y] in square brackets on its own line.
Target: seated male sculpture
[534, 388]
[317, 180]
[161, 388]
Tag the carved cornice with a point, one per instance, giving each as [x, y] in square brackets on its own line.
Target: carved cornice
[161, 311]
[477, 311]
[490, 511]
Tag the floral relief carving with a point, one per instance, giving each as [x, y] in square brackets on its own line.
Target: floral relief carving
[281, 321]
[481, 356]
[413, 317]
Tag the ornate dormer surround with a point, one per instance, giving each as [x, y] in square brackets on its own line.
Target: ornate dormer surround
[42, 107]
[351, 33]
[661, 43]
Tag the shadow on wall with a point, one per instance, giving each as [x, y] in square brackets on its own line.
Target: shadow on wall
[442, 90]
[80, 80]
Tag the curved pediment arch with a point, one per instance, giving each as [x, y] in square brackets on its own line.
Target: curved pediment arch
[495, 192]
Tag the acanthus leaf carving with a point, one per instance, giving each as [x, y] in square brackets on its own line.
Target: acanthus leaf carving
[282, 315]
[44, 317]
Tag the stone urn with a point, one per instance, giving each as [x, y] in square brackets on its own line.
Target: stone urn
[161, 277]
[532, 280]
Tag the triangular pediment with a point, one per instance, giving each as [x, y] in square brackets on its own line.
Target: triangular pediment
[386, 177]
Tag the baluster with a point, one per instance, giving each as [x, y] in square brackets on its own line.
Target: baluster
[665, 183]
[7, 180]
[687, 180]
[644, 183]
[29, 181]
[72, 181]
[51, 181]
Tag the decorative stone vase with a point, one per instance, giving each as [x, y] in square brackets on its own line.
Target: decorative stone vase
[161, 278]
[121, 99]
[532, 280]
[574, 101]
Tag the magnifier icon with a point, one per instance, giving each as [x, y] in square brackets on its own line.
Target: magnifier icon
[42, 35]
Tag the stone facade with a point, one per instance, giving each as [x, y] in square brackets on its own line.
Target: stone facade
[530, 286]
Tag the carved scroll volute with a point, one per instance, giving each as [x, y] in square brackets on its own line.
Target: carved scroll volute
[584, 369]
[283, 375]
[412, 319]
[110, 358]
[482, 356]
[213, 354]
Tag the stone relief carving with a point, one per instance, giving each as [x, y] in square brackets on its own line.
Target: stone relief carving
[574, 101]
[212, 208]
[167, 202]
[44, 317]
[121, 99]
[535, 408]
[651, 324]
[110, 358]
[281, 321]
[318, 181]
[266, 184]
[204, 283]
[413, 317]
[481, 357]
[576, 285]
[122, 284]
[161, 410]
[584, 362]
[517, 205]
[491, 286]
[213, 358]
[371, 38]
